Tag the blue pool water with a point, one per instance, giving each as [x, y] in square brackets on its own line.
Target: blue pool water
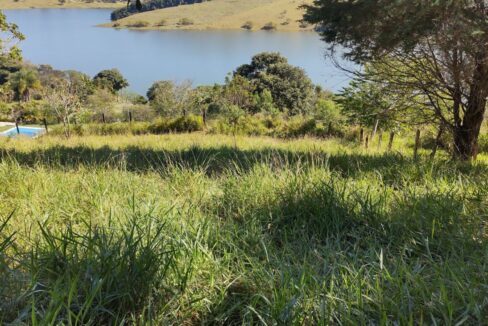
[24, 131]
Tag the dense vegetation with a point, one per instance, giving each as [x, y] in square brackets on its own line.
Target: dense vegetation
[432, 55]
[162, 209]
[150, 5]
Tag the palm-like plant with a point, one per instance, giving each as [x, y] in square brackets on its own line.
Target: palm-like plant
[23, 82]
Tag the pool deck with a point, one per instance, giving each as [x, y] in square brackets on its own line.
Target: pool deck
[9, 130]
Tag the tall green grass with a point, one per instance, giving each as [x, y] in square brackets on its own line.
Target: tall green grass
[188, 229]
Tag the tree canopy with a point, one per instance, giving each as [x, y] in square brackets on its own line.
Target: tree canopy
[111, 79]
[290, 87]
[438, 49]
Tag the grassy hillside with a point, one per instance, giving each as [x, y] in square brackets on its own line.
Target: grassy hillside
[190, 230]
[26, 4]
[222, 14]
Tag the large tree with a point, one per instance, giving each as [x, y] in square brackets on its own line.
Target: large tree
[23, 82]
[437, 48]
[111, 79]
[290, 87]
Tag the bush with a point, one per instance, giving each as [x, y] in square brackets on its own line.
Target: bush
[248, 25]
[298, 127]
[189, 123]
[185, 22]
[247, 125]
[269, 27]
[138, 24]
[161, 23]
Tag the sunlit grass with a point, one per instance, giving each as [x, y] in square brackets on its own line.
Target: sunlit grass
[189, 229]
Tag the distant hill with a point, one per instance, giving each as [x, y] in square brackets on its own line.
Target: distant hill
[25, 4]
[281, 15]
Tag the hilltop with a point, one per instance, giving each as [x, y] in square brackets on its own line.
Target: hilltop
[283, 15]
[27, 4]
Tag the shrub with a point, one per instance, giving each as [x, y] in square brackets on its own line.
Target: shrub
[185, 22]
[269, 27]
[298, 127]
[161, 23]
[286, 22]
[248, 25]
[138, 24]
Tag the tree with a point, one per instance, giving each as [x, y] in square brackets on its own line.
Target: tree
[239, 91]
[23, 82]
[439, 49]
[101, 104]
[111, 79]
[10, 35]
[169, 98]
[63, 101]
[290, 87]
[161, 97]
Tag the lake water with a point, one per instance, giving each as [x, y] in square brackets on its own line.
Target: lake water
[69, 39]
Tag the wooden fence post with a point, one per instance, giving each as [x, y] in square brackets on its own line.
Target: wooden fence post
[437, 142]
[373, 132]
[130, 116]
[361, 136]
[417, 145]
[366, 144]
[390, 142]
[380, 139]
[45, 125]
[103, 118]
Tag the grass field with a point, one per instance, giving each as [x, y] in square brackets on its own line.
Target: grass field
[223, 14]
[28, 4]
[191, 230]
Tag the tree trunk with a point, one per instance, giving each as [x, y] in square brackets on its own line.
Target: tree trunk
[466, 135]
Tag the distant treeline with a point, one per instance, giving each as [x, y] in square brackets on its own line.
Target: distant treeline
[150, 5]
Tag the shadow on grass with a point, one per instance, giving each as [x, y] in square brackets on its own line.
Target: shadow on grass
[217, 160]
[324, 232]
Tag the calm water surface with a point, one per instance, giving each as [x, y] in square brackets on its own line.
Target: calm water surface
[69, 39]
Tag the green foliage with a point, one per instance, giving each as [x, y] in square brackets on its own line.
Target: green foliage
[134, 8]
[290, 87]
[111, 79]
[186, 124]
[189, 123]
[10, 34]
[23, 83]
[135, 230]
[170, 99]
[436, 50]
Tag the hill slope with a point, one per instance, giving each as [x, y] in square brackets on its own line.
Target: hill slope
[281, 15]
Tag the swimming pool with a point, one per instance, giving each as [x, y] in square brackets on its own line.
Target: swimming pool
[30, 132]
